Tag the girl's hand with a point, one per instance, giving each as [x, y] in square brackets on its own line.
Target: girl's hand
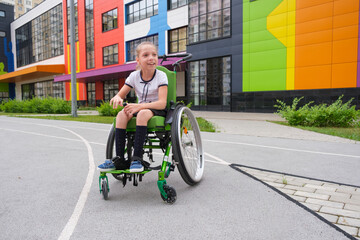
[116, 101]
[132, 108]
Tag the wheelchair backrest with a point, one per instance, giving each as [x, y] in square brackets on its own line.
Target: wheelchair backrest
[171, 95]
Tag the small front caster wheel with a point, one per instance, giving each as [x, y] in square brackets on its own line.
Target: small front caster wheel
[171, 194]
[104, 189]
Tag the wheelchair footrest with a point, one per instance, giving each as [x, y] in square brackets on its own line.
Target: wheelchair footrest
[126, 171]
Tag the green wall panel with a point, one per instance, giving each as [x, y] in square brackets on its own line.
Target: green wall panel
[264, 56]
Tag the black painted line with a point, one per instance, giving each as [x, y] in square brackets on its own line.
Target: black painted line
[235, 167]
[293, 175]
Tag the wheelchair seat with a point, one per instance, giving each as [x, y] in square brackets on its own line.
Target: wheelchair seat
[156, 123]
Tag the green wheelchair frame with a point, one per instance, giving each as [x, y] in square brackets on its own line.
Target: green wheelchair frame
[178, 134]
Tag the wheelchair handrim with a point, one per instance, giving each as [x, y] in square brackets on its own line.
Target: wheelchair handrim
[192, 155]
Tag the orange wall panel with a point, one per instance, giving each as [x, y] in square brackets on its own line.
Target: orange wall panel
[313, 54]
[326, 43]
[313, 12]
[310, 3]
[344, 75]
[314, 37]
[345, 6]
[345, 51]
[314, 77]
[346, 19]
[314, 25]
[345, 32]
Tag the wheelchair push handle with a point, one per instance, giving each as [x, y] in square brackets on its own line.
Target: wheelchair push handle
[183, 56]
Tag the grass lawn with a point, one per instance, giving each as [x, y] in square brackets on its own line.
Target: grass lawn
[350, 133]
[204, 125]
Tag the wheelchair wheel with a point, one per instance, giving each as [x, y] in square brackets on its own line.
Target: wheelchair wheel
[187, 145]
[104, 189]
[111, 152]
[171, 194]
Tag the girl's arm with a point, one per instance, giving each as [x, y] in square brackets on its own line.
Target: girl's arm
[118, 99]
[160, 104]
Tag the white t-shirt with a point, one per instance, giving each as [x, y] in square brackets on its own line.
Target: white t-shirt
[147, 91]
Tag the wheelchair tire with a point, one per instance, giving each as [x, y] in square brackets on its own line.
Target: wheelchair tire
[104, 189]
[110, 151]
[171, 194]
[187, 146]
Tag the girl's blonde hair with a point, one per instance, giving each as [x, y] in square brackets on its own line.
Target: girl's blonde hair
[138, 49]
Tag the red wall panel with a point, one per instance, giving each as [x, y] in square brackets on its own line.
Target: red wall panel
[115, 36]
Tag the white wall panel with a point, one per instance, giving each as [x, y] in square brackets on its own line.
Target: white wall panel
[178, 17]
[137, 30]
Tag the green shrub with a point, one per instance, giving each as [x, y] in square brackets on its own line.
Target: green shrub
[106, 109]
[338, 114]
[37, 105]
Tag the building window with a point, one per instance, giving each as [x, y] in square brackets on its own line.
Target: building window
[2, 14]
[42, 90]
[91, 94]
[89, 31]
[209, 19]
[140, 10]
[111, 88]
[109, 20]
[27, 91]
[58, 90]
[172, 4]
[177, 40]
[41, 38]
[19, 8]
[210, 82]
[2, 34]
[110, 55]
[4, 96]
[19, 1]
[28, 3]
[131, 46]
[76, 21]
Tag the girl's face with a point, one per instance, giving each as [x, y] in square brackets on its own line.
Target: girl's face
[147, 58]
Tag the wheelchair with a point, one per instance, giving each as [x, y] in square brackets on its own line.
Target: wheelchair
[177, 135]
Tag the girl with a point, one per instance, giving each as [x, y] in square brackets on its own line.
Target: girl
[151, 90]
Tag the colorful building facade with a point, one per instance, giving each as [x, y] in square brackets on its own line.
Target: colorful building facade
[246, 53]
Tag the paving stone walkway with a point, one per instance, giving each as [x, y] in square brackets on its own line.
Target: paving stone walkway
[338, 204]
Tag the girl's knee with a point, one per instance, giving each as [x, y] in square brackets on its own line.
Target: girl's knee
[122, 119]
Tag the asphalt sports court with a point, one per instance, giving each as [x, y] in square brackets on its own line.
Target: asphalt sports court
[50, 187]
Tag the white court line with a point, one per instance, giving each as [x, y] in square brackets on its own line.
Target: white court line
[218, 160]
[40, 134]
[50, 136]
[72, 222]
[226, 142]
[285, 149]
